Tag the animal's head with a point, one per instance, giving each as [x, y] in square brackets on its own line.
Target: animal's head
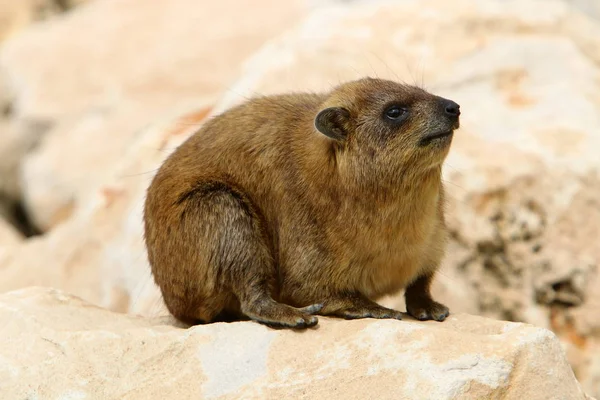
[395, 125]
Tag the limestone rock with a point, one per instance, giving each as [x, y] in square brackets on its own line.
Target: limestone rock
[18, 137]
[16, 15]
[106, 70]
[8, 235]
[588, 7]
[56, 345]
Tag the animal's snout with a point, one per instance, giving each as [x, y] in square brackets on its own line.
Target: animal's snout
[451, 108]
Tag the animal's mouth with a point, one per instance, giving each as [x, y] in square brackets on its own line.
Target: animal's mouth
[436, 136]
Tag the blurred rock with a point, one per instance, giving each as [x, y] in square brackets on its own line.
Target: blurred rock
[18, 137]
[590, 8]
[15, 15]
[18, 14]
[69, 4]
[106, 70]
[62, 346]
[8, 235]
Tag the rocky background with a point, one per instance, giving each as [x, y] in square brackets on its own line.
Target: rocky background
[95, 94]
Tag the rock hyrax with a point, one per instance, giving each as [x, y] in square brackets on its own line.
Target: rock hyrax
[303, 204]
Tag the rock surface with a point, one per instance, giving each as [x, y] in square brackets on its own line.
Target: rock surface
[8, 235]
[588, 7]
[63, 347]
[15, 15]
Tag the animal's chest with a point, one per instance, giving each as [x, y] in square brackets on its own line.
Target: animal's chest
[388, 248]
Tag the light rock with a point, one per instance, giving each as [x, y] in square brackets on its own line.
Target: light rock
[104, 71]
[69, 4]
[168, 50]
[15, 15]
[588, 7]
[18, 137]
[61, 347]
[8, 235]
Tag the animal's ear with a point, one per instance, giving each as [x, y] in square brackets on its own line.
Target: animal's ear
[333, 122]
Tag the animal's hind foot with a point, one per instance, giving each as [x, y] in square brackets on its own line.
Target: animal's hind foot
[278, 315]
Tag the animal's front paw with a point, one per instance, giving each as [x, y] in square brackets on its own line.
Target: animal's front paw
[425, 309]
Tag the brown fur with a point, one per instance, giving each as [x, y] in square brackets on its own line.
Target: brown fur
[271, 213]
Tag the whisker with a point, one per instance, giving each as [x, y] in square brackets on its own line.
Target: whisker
[138, 174]
[386, 66]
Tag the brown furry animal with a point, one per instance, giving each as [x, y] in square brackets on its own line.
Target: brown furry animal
[300, 204]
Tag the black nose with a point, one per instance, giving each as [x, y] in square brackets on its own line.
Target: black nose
[451, 108]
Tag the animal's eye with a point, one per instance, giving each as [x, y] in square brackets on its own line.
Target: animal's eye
[395, 112]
